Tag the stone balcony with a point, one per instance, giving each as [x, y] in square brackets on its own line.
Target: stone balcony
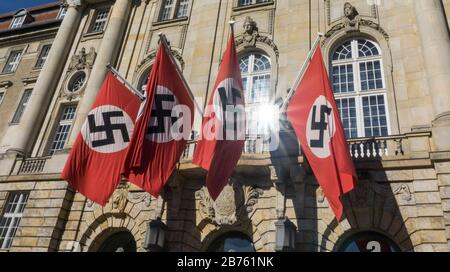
[396, 151]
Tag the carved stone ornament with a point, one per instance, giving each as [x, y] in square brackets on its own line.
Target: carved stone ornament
[404, 191]
[152, 56]
[250, 36]
[74, 3]
[82, 60]
[235, 201]
[352, 21]
[119, 198]
[136, 198]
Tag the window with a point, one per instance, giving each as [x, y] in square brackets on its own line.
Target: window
[174, 9]
[243, 3]
[22, 106]
[142, 83]
[62, 13]
[17, 21]
[43, 56]
[256, 79]
[2, 95]
[100, 21]
[12, 62]
[63, 128]
[358, 83]
[77, 82]
[232, 242]
[369, 242]
[10, 220]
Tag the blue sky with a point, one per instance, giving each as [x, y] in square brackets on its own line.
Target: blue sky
[12, 5]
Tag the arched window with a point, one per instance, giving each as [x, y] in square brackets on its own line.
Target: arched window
[368, 242]
[142, 83]
[232, 242]
[256, 70]
[122, 241]
[359, 87]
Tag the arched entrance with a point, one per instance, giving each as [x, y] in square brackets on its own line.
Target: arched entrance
[232, 242]
[118, 241]
[368, 242]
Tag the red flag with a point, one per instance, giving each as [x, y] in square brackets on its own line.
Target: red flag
[95, 162]
[155, 149]
[315, 119]
[220, 154]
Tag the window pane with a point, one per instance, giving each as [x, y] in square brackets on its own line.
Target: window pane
[167, 10]
[375, 119]
[62, 131]
[367, 48]
[347, 111]
[100, 20]
[10, 220]
[371, 76]
[342, 79]
[262, 63]
[260, 90]
[244, 64]
[183, 8]
[22, 106]
[343, 52]
[12, 62]
[43, 56]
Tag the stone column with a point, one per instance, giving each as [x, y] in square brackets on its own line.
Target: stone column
[434, 34]
[109, 48]
[19, 138]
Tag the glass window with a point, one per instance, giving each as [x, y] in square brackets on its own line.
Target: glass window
[63, 128]
[232, 242]
[10, 220]
[62, 13]
[251, 2]
[167, 10]
[2, 95]
[17, 22]
[77, 82]
[100, 20]
[369, 242]
[22, 106]
[183, 8]
[256, 78]
[43, 56]
[357, 79]
[13, 61]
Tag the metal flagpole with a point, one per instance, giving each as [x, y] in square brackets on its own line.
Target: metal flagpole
[163, 39]
[116, 73]
[301, 73]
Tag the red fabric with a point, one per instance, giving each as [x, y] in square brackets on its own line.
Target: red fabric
[220, 157]
[97, 174]
[335, 173]
[149, 164]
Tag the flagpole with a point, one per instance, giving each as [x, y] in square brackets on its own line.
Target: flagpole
[163, 39]
[116, 73]
[301, 73]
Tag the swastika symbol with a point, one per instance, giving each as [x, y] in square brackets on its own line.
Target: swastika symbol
[230, 100]
[161, 114]
[321, 126]
[108, 128]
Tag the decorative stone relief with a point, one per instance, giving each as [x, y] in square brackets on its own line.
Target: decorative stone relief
[137, 198]
[82, 60]
[250, 37]
[235, 201]
[120, 198]
[150, 57]
[352, 21]
[404, 191]
[74, 3]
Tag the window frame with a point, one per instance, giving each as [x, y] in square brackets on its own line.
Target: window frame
[358, 93]
[58, 123]
[61, 13]
[174, 11]
[14, 215]
[17, 62]
[17, 117]
[40, 56]
[18, 21]
[95, 17]
[2, 97]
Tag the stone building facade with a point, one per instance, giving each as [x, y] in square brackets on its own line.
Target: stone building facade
[389, 65]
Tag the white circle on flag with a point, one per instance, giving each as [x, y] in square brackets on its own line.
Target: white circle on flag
[228, 90]
[320, 127]
[163, 116]
[107, 129]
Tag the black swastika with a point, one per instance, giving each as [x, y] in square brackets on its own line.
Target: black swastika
[229, 101]
[108, 128]
[161, 114]
[321, 126]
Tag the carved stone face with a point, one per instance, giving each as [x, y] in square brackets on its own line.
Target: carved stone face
[349, 10]
[249, 25]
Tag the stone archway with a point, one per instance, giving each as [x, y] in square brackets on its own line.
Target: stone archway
[114, 240]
